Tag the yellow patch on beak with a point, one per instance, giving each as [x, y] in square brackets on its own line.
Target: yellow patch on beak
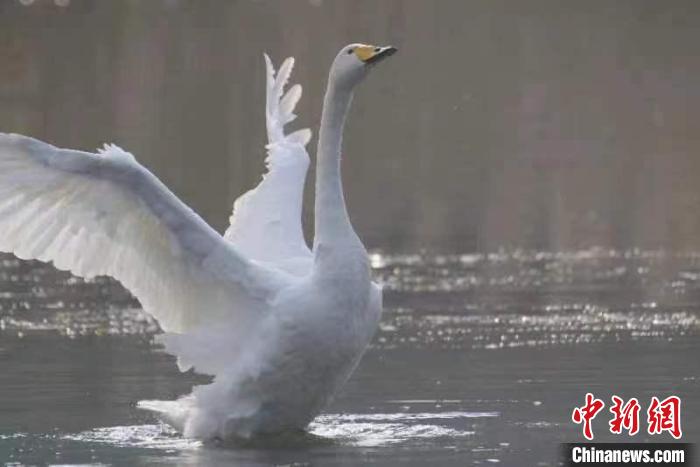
[365, 52]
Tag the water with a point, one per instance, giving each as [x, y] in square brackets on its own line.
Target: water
[479, 360]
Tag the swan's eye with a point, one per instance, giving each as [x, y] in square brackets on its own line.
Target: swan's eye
[350, 51]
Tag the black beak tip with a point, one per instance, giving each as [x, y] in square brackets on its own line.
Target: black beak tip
[381, 54]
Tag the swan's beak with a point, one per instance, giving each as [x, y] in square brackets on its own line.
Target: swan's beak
[371, 55]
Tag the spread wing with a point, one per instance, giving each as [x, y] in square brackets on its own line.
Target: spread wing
[266, 221]
[104, 214]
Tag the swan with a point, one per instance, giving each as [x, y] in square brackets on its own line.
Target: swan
[280, 327]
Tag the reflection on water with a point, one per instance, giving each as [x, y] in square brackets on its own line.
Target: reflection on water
[478, 359]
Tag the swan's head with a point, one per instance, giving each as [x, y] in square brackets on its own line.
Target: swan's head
[354, 61]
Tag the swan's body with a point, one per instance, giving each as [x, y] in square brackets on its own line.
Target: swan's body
[279, 326]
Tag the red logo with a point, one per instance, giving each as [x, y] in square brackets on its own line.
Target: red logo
[626, 416]
[662, 416]
[665, 416]
[587, 413]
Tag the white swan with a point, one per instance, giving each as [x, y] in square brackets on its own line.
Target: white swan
[279, 326]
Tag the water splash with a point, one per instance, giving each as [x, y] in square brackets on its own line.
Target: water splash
[156, 436]
[366, 430]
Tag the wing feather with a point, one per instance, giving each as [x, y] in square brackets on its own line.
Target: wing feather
[266, 221]
[104, 214]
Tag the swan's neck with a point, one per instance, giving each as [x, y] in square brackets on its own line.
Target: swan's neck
[333, 226]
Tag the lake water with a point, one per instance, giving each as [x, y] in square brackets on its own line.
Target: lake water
[480, 359]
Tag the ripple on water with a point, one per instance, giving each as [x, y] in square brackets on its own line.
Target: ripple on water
[366, 430]
[383, 429]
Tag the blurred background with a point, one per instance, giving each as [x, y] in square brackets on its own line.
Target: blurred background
[549, 125]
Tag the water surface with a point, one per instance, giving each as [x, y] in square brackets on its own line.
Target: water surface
[479, 360]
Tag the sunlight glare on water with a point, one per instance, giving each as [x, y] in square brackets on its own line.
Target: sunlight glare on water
[504, 299]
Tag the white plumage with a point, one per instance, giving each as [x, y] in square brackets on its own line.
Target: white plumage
[280, 327]
[266, 221]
